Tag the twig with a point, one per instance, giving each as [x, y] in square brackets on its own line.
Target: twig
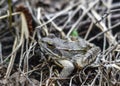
[104, 32]
[102, 26]
[57, 28]
[10, 66]
[1, 59]
[58, 14]
[85, 11]
[89, 29]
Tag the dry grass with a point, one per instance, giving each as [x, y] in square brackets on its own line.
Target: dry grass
[21, 61]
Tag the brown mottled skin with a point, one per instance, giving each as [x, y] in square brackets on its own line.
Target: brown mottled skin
[78, 53]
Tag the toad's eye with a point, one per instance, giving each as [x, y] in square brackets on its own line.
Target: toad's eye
[50, 45]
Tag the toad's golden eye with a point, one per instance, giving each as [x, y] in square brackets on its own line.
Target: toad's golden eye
[50, 45]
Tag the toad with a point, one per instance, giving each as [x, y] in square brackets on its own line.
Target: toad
[72, 54]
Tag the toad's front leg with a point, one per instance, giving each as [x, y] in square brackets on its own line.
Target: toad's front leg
[68, 68]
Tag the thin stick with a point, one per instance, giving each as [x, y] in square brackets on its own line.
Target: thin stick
[10, 66]
[104, 32]
[85, 11]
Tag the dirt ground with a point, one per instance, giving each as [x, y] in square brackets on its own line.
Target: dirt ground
[23, 23]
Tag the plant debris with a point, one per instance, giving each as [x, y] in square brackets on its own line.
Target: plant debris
[22, 63]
